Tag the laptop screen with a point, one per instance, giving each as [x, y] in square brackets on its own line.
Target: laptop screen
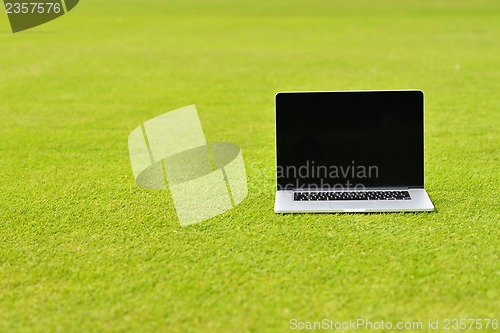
[350, 140]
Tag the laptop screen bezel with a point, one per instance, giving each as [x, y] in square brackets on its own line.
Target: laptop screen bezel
[419, 184]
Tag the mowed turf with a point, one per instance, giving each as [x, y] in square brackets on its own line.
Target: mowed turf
[83, 249]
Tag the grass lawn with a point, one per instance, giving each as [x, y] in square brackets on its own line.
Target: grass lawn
[83, 249]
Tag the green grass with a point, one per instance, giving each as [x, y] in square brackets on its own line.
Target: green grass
[83, 249]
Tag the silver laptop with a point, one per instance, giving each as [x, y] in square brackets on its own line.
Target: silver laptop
[350, 151]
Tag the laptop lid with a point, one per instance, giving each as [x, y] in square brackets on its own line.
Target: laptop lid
[350, 139]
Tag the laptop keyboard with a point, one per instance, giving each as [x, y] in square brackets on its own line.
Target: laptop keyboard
[354, 195]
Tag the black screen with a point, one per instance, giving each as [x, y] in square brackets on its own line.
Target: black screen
[350, 139]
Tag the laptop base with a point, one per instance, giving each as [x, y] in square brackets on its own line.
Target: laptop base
[420, 202]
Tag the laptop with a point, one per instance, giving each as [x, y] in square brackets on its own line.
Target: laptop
[350, 151]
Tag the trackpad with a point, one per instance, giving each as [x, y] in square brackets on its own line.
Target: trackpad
[354, 206]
